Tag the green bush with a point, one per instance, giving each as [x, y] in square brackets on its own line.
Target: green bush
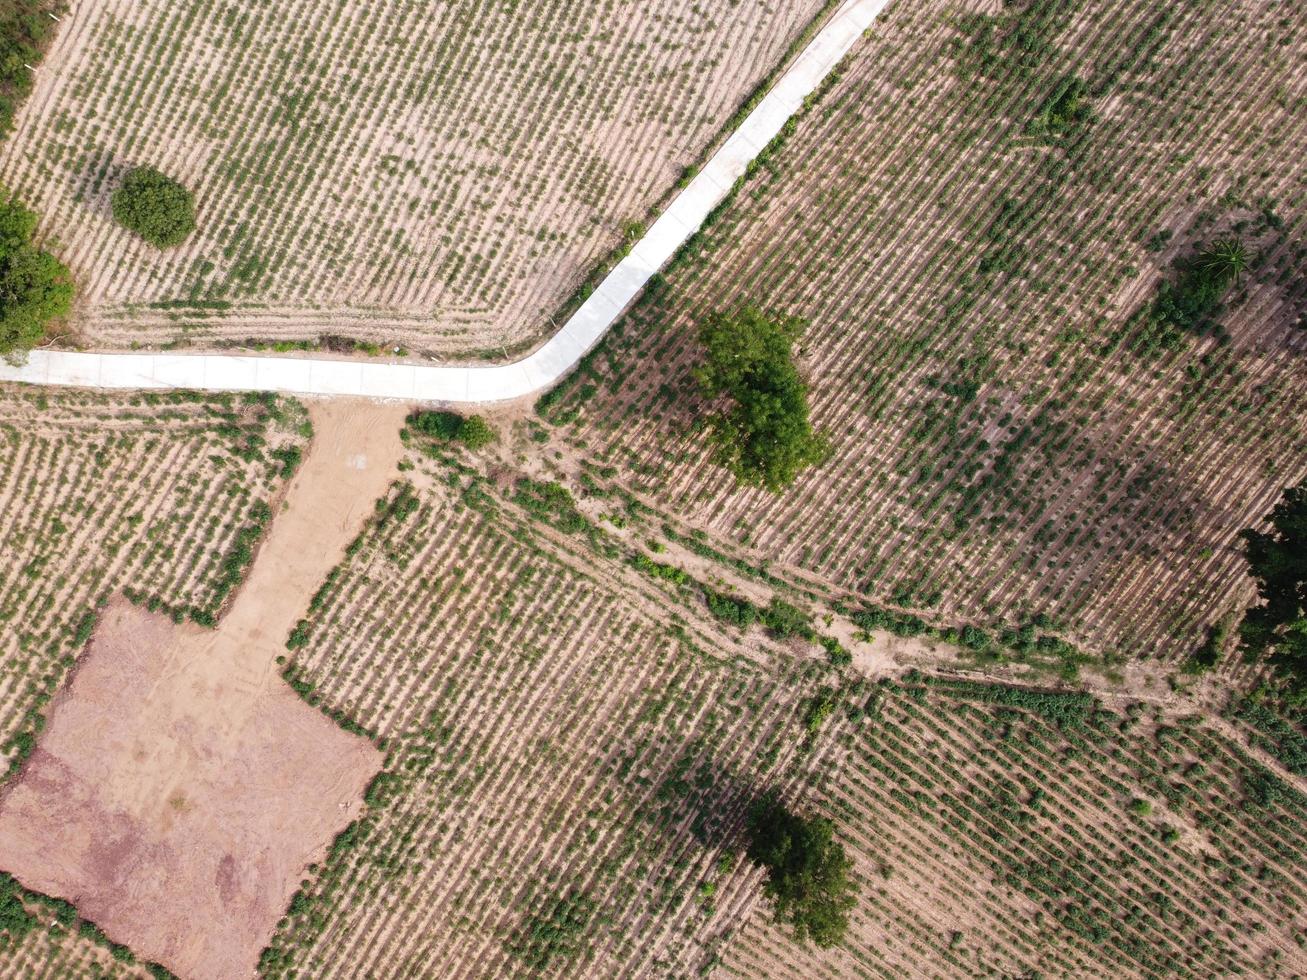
[15, 921]
[1192, 302]
[733, 609]
[472, 431]
[154, 206]
[784, 620]
[35, 287]
[1277, 561]
[24, 31]
[764, 437]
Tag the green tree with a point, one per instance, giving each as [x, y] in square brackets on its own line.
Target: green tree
[764, 437]
[1277, 560]
[154, 206]
[35, 287]
[807, 870]
[476, 432]
[1193, 301]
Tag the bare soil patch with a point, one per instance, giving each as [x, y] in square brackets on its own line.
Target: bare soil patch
[179, 790]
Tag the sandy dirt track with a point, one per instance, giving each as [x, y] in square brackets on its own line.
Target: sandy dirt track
[181, 787]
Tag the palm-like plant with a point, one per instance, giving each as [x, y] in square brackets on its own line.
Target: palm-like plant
[1222, 262]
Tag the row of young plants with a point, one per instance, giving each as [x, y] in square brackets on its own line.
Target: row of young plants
[996, 829]
[321, 193]
[562, 764]
[1015, 454]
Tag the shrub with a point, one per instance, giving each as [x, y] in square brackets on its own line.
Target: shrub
[473, 431]
[764, 437]
[299, 636]
[24, 32]
[733, 609]
[15, 921]
[1191, 303]
[35, 287]
[557, 933]
[290, 458]
[154, 206]
[836, 652]
[784, 620]
[807, 870]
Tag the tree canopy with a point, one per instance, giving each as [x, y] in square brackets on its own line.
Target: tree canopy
[807, 870]
[472, 431]
[24, 32]
[764, 437]
[1191, 303]
[1277, 560]
[35, 287]
[154, 206]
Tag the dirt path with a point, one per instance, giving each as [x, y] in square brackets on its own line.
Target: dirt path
[180, 787]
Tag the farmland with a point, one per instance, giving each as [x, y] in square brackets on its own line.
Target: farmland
[1009, 439]
[440, 176]
[867, 604]
[1054, 838]
[160, 497]
[572, 741]
[163, 496]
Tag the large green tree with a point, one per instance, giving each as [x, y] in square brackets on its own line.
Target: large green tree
[764, 436]
[1277, 559]
[807, 870]
[154, 206]
[35, 287]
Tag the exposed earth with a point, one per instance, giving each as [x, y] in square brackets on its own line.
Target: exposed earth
[181, 789]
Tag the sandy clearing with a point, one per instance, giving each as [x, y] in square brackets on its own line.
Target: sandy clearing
[179, 789]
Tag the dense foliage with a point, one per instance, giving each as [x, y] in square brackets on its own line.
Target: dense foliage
[24, 30]
[1191, 303]
[472, 431]
[765, 437]
[35, 287]
[1277, 559]
[154, 206]
[807, 870]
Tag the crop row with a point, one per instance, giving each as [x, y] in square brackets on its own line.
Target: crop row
[566, 772]
[993, 840]
[1002, 445]
[439, 175]
[151, 495]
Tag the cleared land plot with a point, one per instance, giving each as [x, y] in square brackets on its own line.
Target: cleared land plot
[437, 175]
[174, 809]
[191, 798]
[969, 260]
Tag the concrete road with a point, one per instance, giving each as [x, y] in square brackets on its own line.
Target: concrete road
[472, 384]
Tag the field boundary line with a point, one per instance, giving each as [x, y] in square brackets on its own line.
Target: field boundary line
[478, 384]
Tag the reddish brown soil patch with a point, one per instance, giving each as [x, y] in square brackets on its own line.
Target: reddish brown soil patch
[181, 788]
[170, 807]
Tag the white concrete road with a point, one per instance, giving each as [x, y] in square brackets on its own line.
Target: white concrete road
[488, 383]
